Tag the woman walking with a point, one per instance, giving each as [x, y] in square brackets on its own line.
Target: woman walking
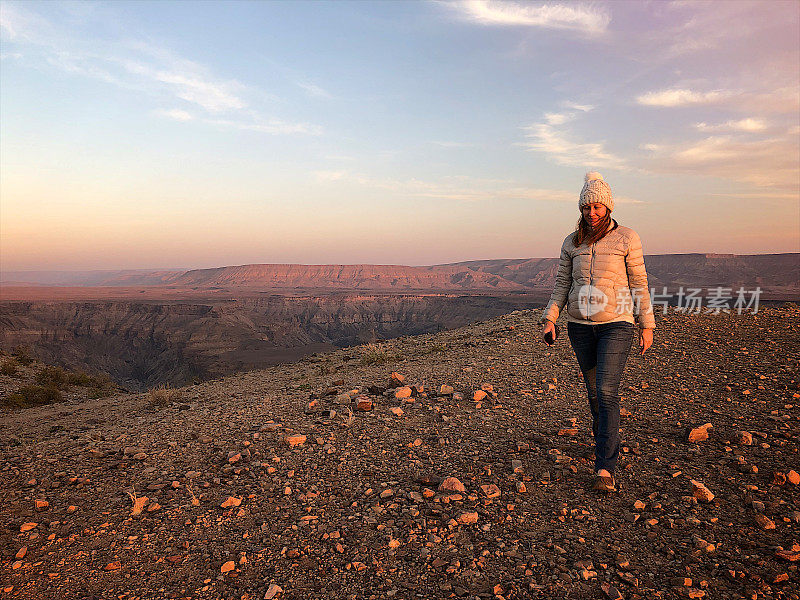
[602, 281]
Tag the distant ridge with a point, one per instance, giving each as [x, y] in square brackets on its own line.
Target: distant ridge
[519, 274]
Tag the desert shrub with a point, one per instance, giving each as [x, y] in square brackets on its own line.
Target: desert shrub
[33, 395]
[101, 386]
[375, 354]
[9, 367]
[162, 396]
[23, 355]
[52, 377]
[434, 348]
[80, 378]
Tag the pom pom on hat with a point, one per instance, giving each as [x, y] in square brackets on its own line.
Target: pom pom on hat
[596, 190]
[591, 175]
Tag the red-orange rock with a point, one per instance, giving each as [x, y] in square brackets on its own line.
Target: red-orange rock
[701, 492]
[491, 490]
[402, 392]
[468, 518]
[451, 484]
[364, 403]
[227, 567]
[699, 434]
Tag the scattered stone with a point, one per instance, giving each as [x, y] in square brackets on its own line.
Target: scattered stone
[610, 591]
[396, 411]
[227, 567]
[699, 434]
[793, 477]
[468, 518]
[231, 502]
[701, 492]
[402, 393]
[491, 490]
[446, 390]
[27, 527]
[744, 438]
[41, 504]
[296, 440]
[479, 395]
[272, 591]
[451, 484]
[764, 522]
[364, 403]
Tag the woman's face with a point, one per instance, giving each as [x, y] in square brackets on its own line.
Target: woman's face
[594, 212]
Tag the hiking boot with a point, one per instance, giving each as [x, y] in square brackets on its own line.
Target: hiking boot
[604, 484]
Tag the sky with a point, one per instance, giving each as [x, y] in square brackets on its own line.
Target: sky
[202, 134]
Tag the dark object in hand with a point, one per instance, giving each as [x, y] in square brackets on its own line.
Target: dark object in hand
[551, 336]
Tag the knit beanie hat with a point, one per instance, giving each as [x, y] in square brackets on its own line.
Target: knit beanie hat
[596, 190]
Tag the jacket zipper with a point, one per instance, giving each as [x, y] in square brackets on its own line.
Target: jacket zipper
[591, 279]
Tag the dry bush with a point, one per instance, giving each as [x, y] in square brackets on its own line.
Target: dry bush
[33, 395]
[162, 395]
[9, 367]
[52, 377]
[375, 354]
[138, 503]
[23, 355]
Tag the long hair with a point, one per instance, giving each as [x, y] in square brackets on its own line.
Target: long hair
[585, 234]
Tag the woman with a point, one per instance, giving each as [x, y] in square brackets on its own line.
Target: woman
[602, 281]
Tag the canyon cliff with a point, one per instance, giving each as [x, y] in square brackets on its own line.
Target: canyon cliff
[147, 328]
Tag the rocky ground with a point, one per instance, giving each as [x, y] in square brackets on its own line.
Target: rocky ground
[321, 480]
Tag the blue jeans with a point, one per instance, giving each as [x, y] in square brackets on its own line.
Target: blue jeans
[602, 351]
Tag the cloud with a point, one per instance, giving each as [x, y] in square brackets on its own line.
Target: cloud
[271, 126]
[314, 90]
[768, 162]
[681, 97]
[546, 137]
[191, 82]
[330, 175]
[576, 106]
[573, 16]
[447, 144]
[557, 118]
[457, 188]
[146, 69]
[175, 114]
[741, 125]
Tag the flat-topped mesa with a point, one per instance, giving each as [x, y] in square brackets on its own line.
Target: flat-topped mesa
[345, 277]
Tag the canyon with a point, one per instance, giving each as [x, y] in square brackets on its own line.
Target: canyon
[151, 328]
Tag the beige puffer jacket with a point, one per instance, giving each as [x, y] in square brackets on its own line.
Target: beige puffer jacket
[599, 282]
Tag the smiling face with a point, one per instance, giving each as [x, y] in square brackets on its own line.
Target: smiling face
[593, 213]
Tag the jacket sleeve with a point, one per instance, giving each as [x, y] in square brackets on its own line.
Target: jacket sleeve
[637, 282]
[561, 289]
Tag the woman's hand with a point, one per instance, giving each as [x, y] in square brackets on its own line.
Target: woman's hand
[548, 327]
[645, 339]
